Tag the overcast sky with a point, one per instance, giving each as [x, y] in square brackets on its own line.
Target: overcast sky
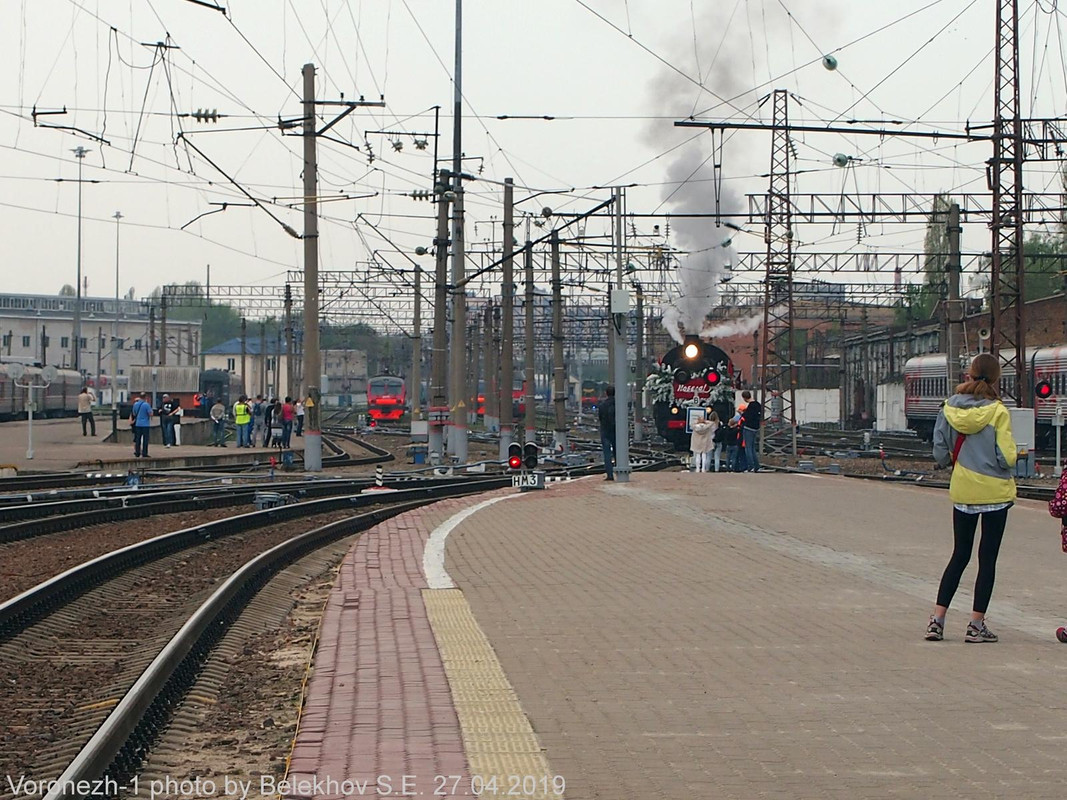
[615, 74]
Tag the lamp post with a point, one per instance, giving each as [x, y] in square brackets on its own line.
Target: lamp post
[47, 375]
[115, 339]
[80, 153]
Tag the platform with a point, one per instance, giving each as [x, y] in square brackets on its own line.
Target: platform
[684, 635]
[59, 445]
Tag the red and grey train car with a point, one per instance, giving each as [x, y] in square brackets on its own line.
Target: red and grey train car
[386, 398]
[927, 384]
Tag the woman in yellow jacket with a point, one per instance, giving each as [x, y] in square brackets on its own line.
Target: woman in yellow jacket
[973, 432]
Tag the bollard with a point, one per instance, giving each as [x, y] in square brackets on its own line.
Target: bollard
[379, 478]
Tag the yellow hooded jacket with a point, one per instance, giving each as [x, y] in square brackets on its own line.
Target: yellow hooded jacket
[982, 474]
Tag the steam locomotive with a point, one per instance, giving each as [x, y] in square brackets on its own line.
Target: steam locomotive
[695, 373]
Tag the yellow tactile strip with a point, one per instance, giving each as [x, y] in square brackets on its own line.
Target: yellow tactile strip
[502, 748]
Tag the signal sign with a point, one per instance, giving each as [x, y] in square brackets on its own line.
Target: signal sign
[514, 456]
[529, 455]
[1043, 390]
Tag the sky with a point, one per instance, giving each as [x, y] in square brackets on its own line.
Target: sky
[614, 75]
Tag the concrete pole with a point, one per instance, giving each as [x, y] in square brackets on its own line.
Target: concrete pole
[559, 388]
[79, 153]
[507, 323]
[954, 311]
[312, 356]
[491, 348]
[530, 391]
[416, 355]
[457, 440]
[244, 355]
[151, 336]
[618, 332]
[639, 391]
[474, 375]
[263, 357]
[163, 328]
[439, 361]
[289, 387]
[115, 338]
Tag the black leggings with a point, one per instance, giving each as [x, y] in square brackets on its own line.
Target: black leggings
[963, 528]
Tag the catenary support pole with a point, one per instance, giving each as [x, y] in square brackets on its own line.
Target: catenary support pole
[115, 340]
[507, 323]
[416, 351]
[457, 438]
[559, 372]
[529, 390]
[954, 308]
[244, 355]
[439, 364]
[312, 356]
[618, 332]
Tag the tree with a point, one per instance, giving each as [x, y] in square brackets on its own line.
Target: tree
[68, 291]
[920, 301]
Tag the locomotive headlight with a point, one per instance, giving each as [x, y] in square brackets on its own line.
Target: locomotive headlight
[675, 410]
[691, 350]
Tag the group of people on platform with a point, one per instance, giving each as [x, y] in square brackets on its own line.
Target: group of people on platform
[268, 421]
[739, 436]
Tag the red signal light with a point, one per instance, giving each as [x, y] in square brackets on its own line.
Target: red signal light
[713, 377]
[514, 456]
[1043, 390]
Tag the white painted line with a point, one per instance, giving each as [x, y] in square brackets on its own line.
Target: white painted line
[433, 555]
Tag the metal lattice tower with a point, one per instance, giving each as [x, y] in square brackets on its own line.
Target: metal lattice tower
[1006, 183]
[778, 377]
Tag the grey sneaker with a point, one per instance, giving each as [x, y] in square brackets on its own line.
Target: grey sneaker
[935, 631]
[979, 633]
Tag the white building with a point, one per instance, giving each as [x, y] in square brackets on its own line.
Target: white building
[39, 329]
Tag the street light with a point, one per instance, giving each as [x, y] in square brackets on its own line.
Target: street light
[80, 153]
[47, 375]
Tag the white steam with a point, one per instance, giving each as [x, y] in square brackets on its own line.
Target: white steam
[734, 327]
[699, 276]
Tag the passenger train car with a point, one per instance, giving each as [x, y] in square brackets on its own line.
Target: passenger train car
[386, 398]
[58, 399]
[703, 377]
[927, 384]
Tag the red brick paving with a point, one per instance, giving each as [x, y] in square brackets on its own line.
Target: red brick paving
[378, 702]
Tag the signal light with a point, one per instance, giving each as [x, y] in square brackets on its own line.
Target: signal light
[1043, 390]
[529, 455]
[514, 456]
[681, 376]
[675, 410]
[713, 377]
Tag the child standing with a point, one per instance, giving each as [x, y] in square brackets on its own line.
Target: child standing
[701, 443]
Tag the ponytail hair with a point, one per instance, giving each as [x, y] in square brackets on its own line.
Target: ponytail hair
[983, 378]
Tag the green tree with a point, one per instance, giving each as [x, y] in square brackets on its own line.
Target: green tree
[68, 291]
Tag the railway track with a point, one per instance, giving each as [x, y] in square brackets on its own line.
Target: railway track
[117, 638]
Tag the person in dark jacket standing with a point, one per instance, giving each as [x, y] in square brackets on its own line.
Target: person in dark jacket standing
[973, 433]
[605, 412]
[751, 419]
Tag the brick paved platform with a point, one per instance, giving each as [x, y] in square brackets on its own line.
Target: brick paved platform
[684, 636]
[744, 636]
